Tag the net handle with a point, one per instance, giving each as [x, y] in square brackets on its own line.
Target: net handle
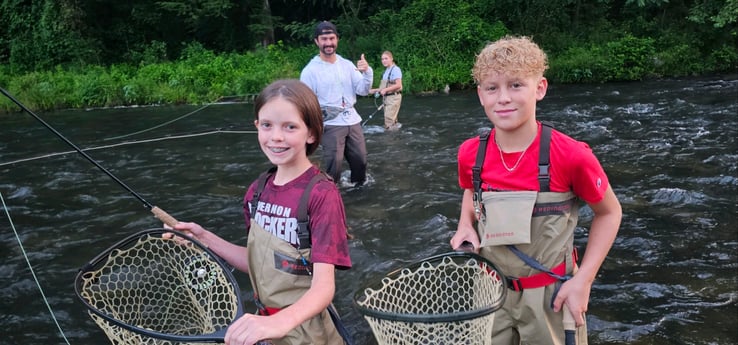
[466, 315]
[214, 337]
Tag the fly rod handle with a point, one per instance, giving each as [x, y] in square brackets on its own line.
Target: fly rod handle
[163, 216]
[570, 327]
[569, 323]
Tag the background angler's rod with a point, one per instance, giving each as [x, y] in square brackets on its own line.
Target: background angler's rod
[159, 213]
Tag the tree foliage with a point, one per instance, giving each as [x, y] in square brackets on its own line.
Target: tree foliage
[434, 41]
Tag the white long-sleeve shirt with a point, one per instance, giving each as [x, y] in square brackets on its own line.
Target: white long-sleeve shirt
[336, 85]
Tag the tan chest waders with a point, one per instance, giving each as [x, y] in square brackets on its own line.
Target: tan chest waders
[529, 235]
[284, 274]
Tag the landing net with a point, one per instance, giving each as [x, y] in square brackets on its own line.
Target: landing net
[447, 299]
[150, 290]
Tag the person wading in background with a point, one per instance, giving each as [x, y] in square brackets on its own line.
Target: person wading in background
[336, 81]
[390, 87]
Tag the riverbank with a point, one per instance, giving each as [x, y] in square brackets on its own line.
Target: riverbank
[205, 77]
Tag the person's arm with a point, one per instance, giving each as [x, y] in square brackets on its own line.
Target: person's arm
[235, 255]
[251, 328]
[465, 231]
[575, 292]
[362, 78]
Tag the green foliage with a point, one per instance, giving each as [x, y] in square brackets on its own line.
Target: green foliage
[96, 88]
[58, 54]
[626, 59]
[200, 76]
[154, 52]
[436, 48]
[719, 13]
[724, 59]
[43, 34]
[577, 64]
[630, 58]
[678, 60]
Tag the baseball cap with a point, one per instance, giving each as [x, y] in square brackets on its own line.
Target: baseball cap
[325, 28]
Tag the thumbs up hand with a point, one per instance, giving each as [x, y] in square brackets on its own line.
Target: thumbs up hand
[362, 65]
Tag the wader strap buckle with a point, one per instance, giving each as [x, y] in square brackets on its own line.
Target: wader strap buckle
[545, 278]
[537, 280]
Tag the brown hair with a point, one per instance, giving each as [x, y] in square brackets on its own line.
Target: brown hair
[299, 94]
[510, 55]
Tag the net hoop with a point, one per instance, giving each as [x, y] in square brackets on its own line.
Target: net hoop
[445, 299]
[363, 299]
[85, 284]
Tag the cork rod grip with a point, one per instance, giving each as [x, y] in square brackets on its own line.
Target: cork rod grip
[570, 327]
[569, 323]
[163, 216]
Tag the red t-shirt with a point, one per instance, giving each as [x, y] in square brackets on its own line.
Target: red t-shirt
[573, 167]
[277, 213]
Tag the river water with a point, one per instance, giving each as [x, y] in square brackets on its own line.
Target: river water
[668, 146]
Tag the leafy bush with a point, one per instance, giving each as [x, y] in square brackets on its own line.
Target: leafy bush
[629, 58]
[724, 59]
[575, 65]
[678, 60]
[626, 59]
[436, 47]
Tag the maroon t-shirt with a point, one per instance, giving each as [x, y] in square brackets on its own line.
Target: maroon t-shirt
[277, 213]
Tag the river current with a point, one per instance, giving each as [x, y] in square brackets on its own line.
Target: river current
[668, 146]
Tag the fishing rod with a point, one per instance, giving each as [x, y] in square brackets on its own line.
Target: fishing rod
[159, 213]
[376, 96]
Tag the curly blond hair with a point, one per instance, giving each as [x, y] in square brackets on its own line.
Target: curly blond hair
[510, 55]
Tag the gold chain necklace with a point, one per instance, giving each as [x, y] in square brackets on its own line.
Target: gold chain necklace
[519, 158]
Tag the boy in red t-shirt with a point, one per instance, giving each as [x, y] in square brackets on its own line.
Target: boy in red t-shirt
[520, 206]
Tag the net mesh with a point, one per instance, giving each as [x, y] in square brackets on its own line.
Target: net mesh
[161, 285]
[448, 300]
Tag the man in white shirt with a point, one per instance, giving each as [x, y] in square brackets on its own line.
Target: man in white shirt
[336, 81]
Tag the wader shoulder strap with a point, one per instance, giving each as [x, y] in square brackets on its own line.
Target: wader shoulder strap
[389, 75]
[477, 168]
[544, 179]
[303, 218]
[260, 183]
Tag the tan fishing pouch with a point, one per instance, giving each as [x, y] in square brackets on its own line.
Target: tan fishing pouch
[507, 217]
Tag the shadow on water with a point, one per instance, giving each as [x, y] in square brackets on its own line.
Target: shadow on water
[668, 146]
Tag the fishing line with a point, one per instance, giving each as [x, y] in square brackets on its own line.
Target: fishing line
[159, 125]
[171, 121]
[30, 267]
[159, 213]
[142, 141]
